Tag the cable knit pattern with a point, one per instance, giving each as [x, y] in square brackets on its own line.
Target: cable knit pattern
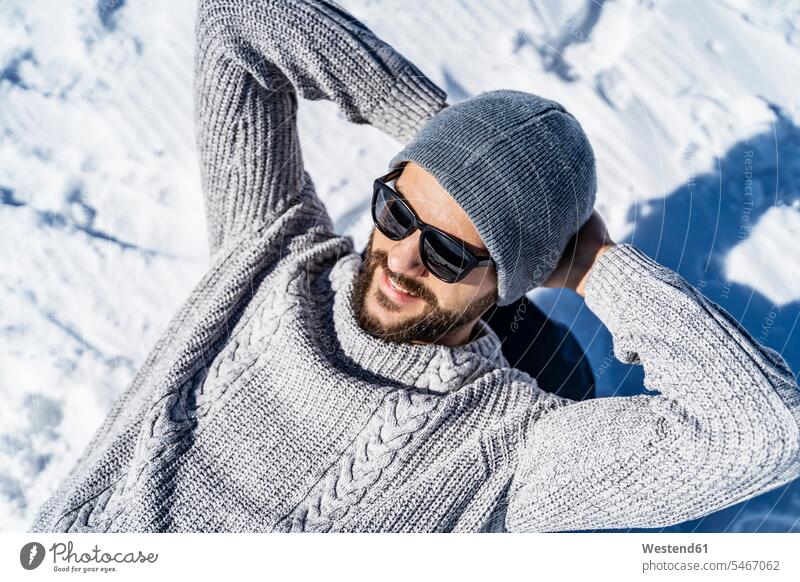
[265, 407]
[392, 428]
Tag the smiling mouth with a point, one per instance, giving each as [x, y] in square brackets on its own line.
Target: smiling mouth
[395, 291]
[400, 288]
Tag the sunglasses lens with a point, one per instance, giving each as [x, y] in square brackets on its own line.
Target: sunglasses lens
[391, 215]
[443, 257]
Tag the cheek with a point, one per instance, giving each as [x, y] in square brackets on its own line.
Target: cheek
[445, 294]
[479, 282]
[455, 297]
[486, 279]
[380, 242]
[475, 287]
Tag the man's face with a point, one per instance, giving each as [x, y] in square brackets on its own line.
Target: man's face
[396, 298]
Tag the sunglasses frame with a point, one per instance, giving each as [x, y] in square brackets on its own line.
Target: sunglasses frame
[472, 260]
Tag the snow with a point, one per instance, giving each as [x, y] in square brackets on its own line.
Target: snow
[776, 232]
[692, 109]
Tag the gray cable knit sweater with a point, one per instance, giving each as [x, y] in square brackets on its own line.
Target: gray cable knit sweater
[264, 407]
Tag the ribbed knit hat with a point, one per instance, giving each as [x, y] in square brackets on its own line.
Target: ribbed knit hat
[522, 169]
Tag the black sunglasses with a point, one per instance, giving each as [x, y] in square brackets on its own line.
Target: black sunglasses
[445, 256]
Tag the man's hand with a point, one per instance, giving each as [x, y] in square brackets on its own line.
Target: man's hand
[588, 245]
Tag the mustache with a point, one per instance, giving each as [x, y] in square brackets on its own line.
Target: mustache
[415, 287]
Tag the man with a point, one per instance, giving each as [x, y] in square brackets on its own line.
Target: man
[304, 386]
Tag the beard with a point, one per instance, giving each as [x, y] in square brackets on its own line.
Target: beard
[428, 327]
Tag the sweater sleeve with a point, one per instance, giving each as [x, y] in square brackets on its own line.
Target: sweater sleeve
[721, 428]
[252, 59]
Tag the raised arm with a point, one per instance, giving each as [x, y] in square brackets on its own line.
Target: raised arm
[252, 58]
[723, 428]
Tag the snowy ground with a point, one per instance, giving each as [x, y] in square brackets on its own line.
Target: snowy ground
[692, 108]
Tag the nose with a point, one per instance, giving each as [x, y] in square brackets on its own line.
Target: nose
[404, 257]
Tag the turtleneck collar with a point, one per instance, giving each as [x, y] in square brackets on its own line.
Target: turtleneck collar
[431, 367]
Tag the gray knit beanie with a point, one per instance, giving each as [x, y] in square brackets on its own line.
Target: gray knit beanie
[522, 169]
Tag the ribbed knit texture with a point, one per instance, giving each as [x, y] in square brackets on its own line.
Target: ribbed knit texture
[265, 407]
[522, 169]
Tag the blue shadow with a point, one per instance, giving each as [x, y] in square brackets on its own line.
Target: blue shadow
[691, 231]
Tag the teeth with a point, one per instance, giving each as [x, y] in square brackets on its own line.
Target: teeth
[399, 288]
